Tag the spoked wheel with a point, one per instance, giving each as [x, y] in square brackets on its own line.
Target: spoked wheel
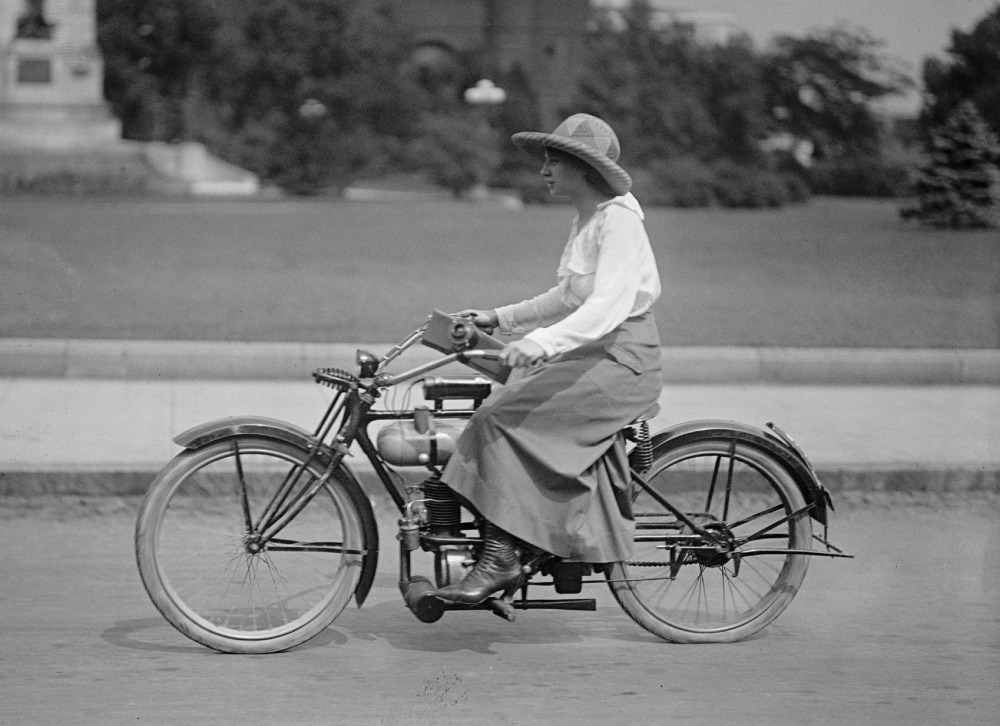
[207, 571]
[688, 590]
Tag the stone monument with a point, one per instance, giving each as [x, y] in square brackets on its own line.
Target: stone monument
[55, 123]
[51, 77]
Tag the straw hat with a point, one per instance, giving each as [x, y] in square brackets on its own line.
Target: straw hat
[587, 138]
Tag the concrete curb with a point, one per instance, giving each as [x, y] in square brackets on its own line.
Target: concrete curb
[209, 360]
[876, 478]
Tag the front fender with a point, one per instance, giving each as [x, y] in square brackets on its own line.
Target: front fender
[812, 490]
[209, 432]
[204, 434]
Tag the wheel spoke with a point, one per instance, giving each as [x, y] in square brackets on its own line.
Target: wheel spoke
[244, 502]
[719, 593]
[711, 487]
[204, 566]
[729, 481]
[768, 528]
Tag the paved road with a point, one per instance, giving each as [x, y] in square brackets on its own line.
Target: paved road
[908, 633]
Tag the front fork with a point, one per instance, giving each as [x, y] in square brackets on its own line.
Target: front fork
[287, 504]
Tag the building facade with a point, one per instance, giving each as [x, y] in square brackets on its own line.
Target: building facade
[544, 36]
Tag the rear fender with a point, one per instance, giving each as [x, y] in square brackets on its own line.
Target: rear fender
[796, 464]
[272, 428]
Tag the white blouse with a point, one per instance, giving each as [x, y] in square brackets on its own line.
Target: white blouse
[607, 274]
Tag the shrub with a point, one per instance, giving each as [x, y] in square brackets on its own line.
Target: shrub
[80, 174]
[687, 182]
[744, 186]
[682, 182]
[458, 152]
[860, 176]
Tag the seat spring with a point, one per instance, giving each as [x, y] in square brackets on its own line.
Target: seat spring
[643, 449]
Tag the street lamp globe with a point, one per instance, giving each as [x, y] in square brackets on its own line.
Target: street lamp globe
[485, 93]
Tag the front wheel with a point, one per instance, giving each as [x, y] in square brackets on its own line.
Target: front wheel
[206, 569]
[683, 588]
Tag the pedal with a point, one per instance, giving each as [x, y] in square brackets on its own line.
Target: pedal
[501, 608]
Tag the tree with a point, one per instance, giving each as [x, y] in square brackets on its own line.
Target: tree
[459, 151]
[971, 73]
[519, 112]
[961, 185]
[309, 93]
[691, 116]
[823, 85]
[647, 83]
[153, 51]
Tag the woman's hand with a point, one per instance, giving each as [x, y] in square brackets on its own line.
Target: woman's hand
[521, 353]
[482, 318]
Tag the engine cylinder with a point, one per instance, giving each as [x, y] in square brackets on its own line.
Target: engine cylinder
[444, 513]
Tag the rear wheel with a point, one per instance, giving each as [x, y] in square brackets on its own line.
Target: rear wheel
[683, 588]
[209, 574]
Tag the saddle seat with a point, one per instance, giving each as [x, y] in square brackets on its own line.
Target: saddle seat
[652, 412]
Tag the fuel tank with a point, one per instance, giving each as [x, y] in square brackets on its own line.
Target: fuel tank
[419, 442]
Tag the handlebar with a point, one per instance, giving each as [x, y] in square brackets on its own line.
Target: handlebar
[383, 381]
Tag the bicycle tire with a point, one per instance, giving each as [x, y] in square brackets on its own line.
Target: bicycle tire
[733, 487]
[191, 548]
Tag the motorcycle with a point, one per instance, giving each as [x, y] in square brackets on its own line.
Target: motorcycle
[257, 535]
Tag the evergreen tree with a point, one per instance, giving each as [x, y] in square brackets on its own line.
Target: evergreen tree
[960, 187]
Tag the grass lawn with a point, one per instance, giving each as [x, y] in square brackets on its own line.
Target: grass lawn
[830, 273]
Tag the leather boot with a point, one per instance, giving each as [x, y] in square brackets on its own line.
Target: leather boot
[498, 568]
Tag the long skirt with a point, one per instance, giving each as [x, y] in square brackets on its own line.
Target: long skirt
[542, 457]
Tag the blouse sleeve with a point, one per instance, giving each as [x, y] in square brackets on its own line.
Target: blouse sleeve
[616, 285]
[534, 313]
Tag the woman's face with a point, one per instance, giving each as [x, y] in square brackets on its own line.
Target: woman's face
[562, 178]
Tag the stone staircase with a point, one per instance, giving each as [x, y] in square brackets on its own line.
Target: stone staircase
[124, 167]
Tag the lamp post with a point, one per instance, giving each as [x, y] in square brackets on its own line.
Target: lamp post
[482, 96]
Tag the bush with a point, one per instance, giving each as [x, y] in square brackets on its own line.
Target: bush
[860, 177]
[687, 182]
[458, 152]
[744, 186]
[683, 182]
[79, 174]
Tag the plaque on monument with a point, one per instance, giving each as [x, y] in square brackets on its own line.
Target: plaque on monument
[34, 70]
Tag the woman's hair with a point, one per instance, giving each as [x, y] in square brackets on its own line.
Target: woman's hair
[590, 175]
